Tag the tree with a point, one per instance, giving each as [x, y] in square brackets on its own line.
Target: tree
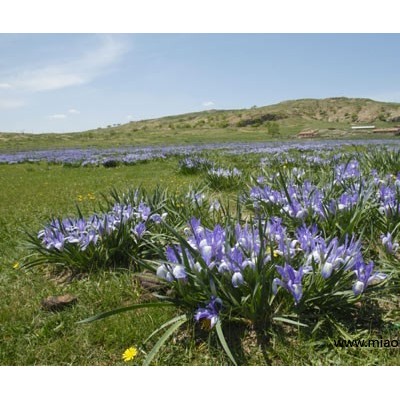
[273, 128]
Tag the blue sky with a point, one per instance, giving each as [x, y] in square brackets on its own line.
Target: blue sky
[72, 82]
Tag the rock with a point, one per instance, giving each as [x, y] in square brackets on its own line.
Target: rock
[149, 281]
[57, 303]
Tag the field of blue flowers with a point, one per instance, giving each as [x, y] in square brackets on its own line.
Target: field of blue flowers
[272, 243]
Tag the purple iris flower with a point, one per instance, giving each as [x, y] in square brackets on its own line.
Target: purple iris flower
[297, 202]
[287, 247]
[275, 231]
[57, 240]
[388, 243]
[179, 272]
[174, 256]
[82, 232]
[139, 229]
[343, 172]
[157, 218]
[210, 314]
[331, 256]
[210, 244]
[265, 195]
[375, 176]
[347, 201]
[198, 233]
[291, 281]
[365, 276]
[248, 238]
[144, 211]
[196, 198]
[171, 254]
[237, 279]
[308, 238]
[292, 203]
[236, 258]
[85, 241]
[171, 273]
[388, 199]
[224, 173]
[164, 271]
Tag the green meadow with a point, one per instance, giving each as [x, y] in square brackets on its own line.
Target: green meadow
[32, 193]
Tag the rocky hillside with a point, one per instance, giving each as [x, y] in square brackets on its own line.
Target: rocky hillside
[334, 110]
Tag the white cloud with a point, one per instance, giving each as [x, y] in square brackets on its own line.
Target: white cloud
[73, 111]
[57, 116]
[77, 71]
[208, 104]
[129, 117]
[5, 86]
[9, 103]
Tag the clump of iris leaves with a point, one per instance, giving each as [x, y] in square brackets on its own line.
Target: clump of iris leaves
[309, 240]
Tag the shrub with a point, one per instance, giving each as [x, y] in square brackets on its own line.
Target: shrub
[193, 164]
[221, 178]
[119, 238]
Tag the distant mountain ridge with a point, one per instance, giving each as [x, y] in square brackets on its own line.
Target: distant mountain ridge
[334, 109]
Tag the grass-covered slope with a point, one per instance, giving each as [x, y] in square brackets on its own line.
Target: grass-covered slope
[332, 116]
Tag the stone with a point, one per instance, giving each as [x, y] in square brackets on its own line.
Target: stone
[58, 303]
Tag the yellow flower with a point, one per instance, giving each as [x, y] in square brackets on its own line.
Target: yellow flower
[16, 265]
[275, 252]
[129, 354]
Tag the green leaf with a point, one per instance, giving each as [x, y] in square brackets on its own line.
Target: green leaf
[162, 340]
[340, 329]
[317, 326]
[225, 346]
[124, 309]
[289, 321]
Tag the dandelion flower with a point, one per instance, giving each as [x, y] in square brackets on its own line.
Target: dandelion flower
[16, 265]
[129, 354]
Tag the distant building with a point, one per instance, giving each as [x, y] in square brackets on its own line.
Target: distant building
[308, 133]
[363, 127]
[395, 130]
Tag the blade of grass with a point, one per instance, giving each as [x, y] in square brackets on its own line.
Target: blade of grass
[162, 340]
[170, 322]
[289, 321]
[124, 309]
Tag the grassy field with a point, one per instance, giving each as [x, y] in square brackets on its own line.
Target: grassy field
[32, 193]
[107, 139]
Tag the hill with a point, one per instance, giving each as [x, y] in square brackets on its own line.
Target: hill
[333, 117]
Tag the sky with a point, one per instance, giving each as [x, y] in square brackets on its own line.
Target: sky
[74, 82]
